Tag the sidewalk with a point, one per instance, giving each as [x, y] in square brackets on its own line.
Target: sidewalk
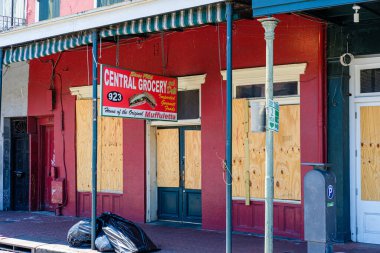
[45, 233]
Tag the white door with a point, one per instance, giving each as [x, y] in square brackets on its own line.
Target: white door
[368, 171]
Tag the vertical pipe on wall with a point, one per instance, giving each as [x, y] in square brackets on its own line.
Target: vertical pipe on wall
[229, 130]
[269, 25]
[94, 134]
[1, 77]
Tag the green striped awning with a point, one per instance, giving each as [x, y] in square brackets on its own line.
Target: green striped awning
[180, 19]
[46, 47]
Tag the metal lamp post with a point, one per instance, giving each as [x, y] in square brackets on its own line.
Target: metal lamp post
[269, 25]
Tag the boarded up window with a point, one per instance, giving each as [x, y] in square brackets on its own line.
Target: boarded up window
[287, 165]
[168, 157]
[370, 153]
[110, 150]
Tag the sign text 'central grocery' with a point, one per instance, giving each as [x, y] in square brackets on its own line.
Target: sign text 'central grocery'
[131, 94]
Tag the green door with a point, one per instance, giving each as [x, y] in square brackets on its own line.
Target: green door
[179, 174]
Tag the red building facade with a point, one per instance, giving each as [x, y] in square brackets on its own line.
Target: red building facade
[190, 52]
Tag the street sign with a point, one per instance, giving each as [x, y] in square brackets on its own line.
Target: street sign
[274, 115]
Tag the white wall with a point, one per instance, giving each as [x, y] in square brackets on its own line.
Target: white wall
[14, 102]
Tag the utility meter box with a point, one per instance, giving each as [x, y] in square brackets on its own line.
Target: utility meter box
[319, 208]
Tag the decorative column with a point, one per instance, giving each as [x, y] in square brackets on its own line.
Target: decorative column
[269, 25]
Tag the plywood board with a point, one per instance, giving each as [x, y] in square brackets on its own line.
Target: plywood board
[287, 174]
[83, 141]
[287, 155]
[239, 109]
[167, 158]
[193, 170]
[257, 164]
[370, 152]
[111, 155]
[110, 150]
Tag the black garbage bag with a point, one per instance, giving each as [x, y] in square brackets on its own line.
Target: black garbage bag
[79, 234]
[124, 235]
[102, 243]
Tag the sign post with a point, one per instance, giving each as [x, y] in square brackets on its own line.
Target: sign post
[132, 94]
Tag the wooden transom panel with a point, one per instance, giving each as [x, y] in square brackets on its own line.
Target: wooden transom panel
[287, 164]
[168, 157]
[193, 159]
[370, 152]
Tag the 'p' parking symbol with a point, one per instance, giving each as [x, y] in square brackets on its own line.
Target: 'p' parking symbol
[330, 192]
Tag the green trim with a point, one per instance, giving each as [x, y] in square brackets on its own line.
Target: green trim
[180, 19]
[47, 47]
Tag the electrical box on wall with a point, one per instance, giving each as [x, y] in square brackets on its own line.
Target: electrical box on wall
[57, 191]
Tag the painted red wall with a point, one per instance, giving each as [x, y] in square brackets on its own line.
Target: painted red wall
[195, 51]
[39, 83]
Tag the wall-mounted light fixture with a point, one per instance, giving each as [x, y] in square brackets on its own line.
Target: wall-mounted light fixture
[356, 14]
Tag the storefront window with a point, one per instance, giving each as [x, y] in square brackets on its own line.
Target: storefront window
[188, 104]
[369, 80]
[258, 90]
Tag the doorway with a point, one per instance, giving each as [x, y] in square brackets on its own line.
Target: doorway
[19, 165]
[365, 150]
[179, 174]
[46, 163]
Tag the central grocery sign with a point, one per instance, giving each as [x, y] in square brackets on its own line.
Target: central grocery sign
[131, 94]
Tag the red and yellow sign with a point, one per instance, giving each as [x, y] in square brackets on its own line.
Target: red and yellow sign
[131, 94]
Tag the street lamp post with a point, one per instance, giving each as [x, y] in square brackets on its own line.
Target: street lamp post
[269, 25]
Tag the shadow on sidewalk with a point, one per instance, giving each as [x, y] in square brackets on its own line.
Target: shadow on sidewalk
[50, 229]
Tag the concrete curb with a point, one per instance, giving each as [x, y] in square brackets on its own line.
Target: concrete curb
[18, 245]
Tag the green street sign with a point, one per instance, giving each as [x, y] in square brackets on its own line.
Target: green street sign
[274, 115]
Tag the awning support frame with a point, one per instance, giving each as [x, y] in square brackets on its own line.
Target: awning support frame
[94, 135]
[229, 129]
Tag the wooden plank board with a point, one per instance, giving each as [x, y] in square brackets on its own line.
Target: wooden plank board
[247, 178]
[110, 150]
[257, 164]
[167, 158]
[83, 144]
[111, 154]
[287, 155]
[287, 165]
[193, 169]
[239, 110]
[370, 152]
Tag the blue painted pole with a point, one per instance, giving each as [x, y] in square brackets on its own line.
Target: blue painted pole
[94, 134]
[1, 77]
[229, 130]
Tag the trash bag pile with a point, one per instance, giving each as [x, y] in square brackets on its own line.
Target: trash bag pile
[113, 233]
